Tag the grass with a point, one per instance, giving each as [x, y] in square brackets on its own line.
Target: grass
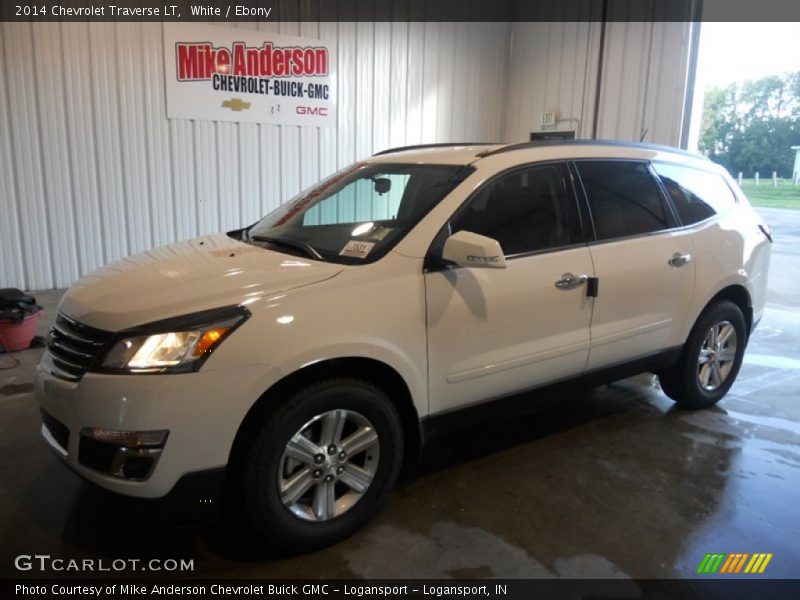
[786, 195]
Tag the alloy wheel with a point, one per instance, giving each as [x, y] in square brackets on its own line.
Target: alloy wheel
[328, 465]
[717, 356]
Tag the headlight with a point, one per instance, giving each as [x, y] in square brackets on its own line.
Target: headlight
[176, 345]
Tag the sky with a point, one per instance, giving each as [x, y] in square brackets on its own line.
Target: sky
[737, 51]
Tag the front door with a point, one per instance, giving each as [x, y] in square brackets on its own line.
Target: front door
[492, 332]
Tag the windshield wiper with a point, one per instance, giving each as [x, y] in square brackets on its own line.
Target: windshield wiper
[306, 249]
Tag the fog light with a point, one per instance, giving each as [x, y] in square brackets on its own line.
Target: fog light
[125, 454]
[128, 439]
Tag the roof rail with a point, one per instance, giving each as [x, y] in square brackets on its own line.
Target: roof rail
[445, 145]
[546, 143]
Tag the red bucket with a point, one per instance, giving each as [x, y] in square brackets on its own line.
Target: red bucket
[18, 336]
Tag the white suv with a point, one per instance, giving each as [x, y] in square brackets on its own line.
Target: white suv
[296, 362]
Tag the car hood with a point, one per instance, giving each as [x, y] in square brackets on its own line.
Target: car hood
[186, 277]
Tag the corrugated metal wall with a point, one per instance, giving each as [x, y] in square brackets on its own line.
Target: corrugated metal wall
[92, 171]
[644, 82]
[554, 67]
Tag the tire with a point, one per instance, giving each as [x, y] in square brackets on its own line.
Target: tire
[274, 473]
[706, 371]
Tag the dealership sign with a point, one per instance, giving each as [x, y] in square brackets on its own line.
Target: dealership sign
[223, 74]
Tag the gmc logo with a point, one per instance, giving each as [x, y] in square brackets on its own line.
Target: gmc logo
[312, 110]
[473, 258]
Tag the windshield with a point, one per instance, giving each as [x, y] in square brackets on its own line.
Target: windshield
[358, 214]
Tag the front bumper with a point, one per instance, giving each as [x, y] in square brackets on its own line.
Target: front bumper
[202, 412]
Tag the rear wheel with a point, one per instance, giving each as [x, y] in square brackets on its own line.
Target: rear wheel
[322, 464]
[710, 359]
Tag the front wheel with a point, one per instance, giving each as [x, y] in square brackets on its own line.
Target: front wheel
[710, 359]
[322, 464]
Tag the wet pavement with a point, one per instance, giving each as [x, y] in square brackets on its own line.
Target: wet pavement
[614, 482]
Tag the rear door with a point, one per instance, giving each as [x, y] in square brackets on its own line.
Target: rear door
[643, 261]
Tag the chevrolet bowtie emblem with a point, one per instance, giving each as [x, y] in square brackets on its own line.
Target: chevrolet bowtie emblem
[236, 104]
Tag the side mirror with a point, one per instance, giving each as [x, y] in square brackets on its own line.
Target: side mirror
[468, 249]
[382, 185]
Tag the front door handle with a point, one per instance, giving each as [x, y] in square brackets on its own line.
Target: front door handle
[569, 281]
[678, 260]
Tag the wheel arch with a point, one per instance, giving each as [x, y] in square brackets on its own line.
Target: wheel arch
[367, 369]
[681, 380]
[739, 295]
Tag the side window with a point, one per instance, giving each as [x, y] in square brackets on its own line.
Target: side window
[624, 198]
[695, 194]
[525, 211]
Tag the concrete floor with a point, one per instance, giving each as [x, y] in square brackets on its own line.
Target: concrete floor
[614, 482]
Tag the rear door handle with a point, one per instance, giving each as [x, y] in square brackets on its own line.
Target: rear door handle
[569, 281]
[678, 260]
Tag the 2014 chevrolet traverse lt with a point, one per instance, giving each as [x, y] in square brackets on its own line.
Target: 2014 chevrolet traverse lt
[301, 358]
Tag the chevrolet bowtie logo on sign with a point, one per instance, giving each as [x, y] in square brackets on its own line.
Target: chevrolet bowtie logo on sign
[734, 564]
[236, 104]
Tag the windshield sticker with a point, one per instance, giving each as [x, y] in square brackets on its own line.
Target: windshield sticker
[357, 249]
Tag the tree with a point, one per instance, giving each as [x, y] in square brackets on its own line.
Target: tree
[750, 127]
[718, 122]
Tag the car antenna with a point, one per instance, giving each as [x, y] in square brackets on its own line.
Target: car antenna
[644, 133]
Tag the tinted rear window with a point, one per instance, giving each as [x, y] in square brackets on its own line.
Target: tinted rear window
[624, 198]
[695, 194]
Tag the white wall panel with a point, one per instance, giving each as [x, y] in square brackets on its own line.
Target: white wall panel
[381, 86]
[133, 135]
[205, 158]
[398, 84]
[622, 94]
[328, 32]
[414, 83]
[292, 155]
[644, 81]
[103, 96]
[56, 164]
[248, 172]
[184, 205]
[485, 112]
[228, 167]
[364, 60]
[91, 170]
[11, 253]
[158, 147]
[669, 58]
[444, 96]
[26, 157]
[430, 80]
[554, 67]
[346, 94]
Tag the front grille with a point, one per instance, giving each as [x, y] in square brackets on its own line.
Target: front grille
[57, 429]
[74, 347]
